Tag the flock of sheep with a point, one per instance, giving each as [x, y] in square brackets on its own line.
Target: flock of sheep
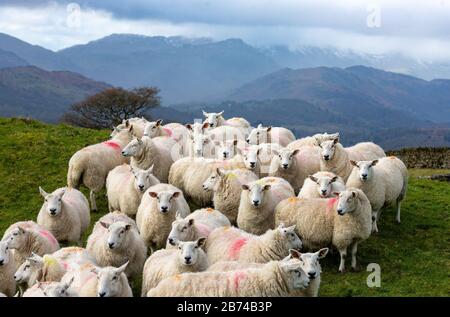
[262, 196]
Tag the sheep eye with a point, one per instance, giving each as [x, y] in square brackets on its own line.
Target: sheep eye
[349, 200]
[114, 278]
[27, 267]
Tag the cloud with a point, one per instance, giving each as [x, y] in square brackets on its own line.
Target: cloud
[414, 28]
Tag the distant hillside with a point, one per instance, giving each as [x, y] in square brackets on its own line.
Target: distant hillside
[31, 91]
[358, 90]
[8, 59]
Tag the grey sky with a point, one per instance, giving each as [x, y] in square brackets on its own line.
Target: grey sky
[416, 28]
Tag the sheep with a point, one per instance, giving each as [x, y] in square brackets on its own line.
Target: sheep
[321, 185]
[278, 135]
[258, 202]
[92, 164]
[276, 278]
[314, 140]
[198, 224]
[224, 133]
[176, 131]
[177, 170]
[125, 186]
[51, 289]
[233, 244]
[139, 125]
[215, 120]
[226, 186]
[198, 127]
[335, 158]
[146, 152]
[200, 145]
[295, 165]
[157, 212]
[342, 222]
[102, 282]
[227, 149]
[384, 182]
[115, 240]
[65, 213]
[188, 257]
[27, 237]
[7, 269]
[309, 261]
[29, 272]
[257, 158]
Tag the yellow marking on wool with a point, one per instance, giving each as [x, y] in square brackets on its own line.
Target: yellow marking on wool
[271, 180]
[178, 277]
[392, 157]
[226, 228]
[293, 200]
[209, 209]
[232, 175]
[49, 260]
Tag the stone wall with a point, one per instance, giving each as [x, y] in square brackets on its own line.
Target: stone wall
[424, 157]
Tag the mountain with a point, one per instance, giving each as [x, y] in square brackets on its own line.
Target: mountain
[183, 69]
[358, 90]
[31, 91]
[8, 59]
[35, 54]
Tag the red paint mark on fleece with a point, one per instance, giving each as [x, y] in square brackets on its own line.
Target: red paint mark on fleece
[46, 234]
[113, 145]
[238, 277]
[168, 131]
[236, 247]
[203, 229]
[331, 202]
[65, 265]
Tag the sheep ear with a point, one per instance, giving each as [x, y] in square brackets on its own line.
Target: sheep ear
[69, 283]
[267, 187]
[260, 126]
[62, 192]
[21, 230]
[245, 187]
[122, 268]
[205, 113]
[158, 123]
[295, 152]
[235, 142]
[336, 140]
[220, 172]
[354, 163]
[334, 179]
[268, 129]
[201, 241]
[191, 222]
[127, 227]
[281, 225]
[95, 270]
[313, 178]
[176, 194]
[127, 123]
[335, 135]
[205, 126]
[221, 113]
[188, 126]
[354, 194]
[104, 224]
[153, 194]
[294, 254]
[291, 228]
[178, 215]
[374, 162]
[42, 192]
[150, 169]
[322, 253]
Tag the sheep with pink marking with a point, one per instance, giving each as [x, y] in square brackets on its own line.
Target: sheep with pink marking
[65, 213]
[279, 135]
[90, 166]
[51, 289]
[233, 244]
[198, 224]
[321, 185]
[216, 119]
[7, 270]
[139, 125]
[176, 131]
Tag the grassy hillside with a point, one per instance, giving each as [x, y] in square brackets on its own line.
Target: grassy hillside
[414, 256]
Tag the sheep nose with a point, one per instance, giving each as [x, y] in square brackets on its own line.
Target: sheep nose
[247, 140]
[1, 262]
[256, 202]
[102, 294]
[141, 187]
[312, 274]
[53, 209]
[340, 211]
[285, 166]
[326, 157]
[171, 241]
[187, 259]
[123, 153]
[364, 176]
[164, 208]
[324, 191]
[252, 164]
[111, 245]
[224, 155]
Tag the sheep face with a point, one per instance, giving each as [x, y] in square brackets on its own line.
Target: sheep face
[109, 283]
[151, 128]
[328, 149]
[285, 157]
[212, 118]
[212, 181]
[117, 233]
[59, 289]
[197, 128]
[251, 158]
[189, 252]
[258, 135]
[255, 193]
[5, 253]
[53, 201]
[17, 238]
[23, 273]
[199, 142]
[289, 237]
[347, 202]
[227, 149]
[164, 200]
[324, 184]
[134, 148]
[365, 169]
[310, 261]
[296, 278]
[182, 230]
[142, 178]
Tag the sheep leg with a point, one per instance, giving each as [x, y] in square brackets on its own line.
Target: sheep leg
[92, 199]
[343, 253]
[397, 218]
[374, 221]
[354, 250]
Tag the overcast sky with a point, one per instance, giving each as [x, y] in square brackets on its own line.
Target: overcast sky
[416, 28]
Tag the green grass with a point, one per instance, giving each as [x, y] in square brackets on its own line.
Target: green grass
[414, 256]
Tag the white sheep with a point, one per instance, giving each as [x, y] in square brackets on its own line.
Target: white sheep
[176, 131]
[115, 240]
[335, 158]
[321, 185]
[278, 135]
[198, 224]
[157, 211]
[276, 278]
[125, 186]
[7, 270]
[257, 158]
[65, 213]
[29, 272]
[90, 166]
[51, 289]
[314, 140]
[384, 182]
[309, 261]
[224, 133]
[187, 257]
[216, 119]
[233, 244]
[139, 125]
[295, 165]
[342, 222]
[258, 202]
[200, 145]
[27, 237]
[226, 186]
[198, 127]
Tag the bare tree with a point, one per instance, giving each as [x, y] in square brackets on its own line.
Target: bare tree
[111, 106]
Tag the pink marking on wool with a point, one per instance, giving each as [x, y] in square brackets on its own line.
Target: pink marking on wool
[235, 249]
[46, 234]
[203, 229]
[65, 265]
[112, 144]
[331, 202]
[238, 277]
[168, 131]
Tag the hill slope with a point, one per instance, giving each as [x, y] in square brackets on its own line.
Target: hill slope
[412, 259]
[31, 91]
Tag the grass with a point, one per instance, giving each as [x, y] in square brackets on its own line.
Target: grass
[414, 256]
